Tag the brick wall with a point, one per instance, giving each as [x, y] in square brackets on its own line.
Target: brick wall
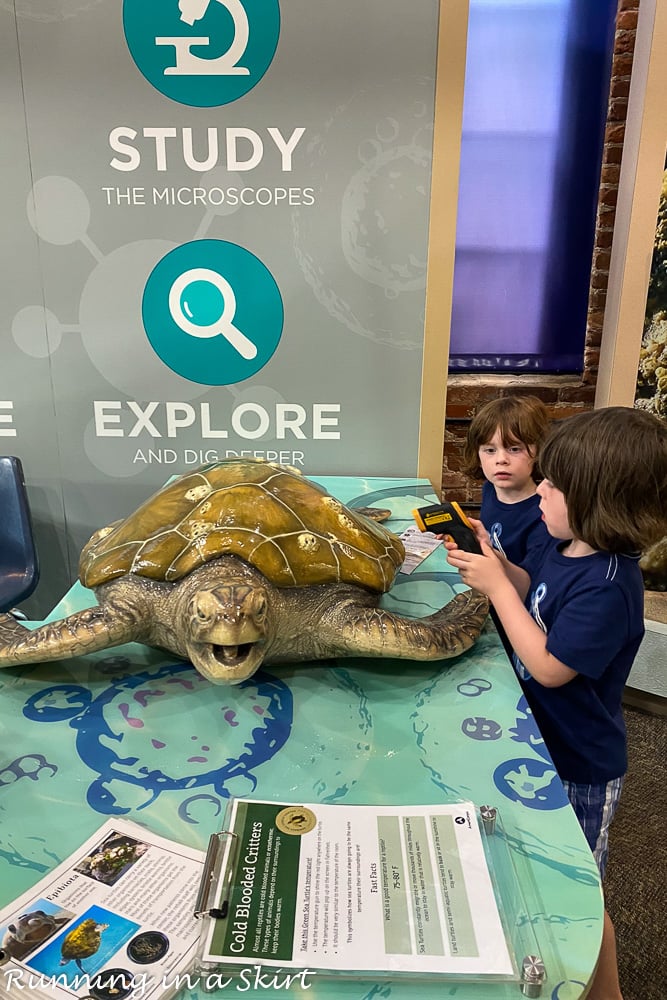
[563, 395]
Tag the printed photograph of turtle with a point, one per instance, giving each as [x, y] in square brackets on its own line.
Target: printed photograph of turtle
[86, 947]
[112, 858]
[27, 931]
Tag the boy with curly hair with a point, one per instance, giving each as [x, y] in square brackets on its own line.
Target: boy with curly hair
[574, 612]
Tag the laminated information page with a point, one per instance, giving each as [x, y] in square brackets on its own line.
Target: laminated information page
[356, 889]
[115, 920]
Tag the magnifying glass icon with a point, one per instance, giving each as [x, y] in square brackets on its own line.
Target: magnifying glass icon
[202, 303]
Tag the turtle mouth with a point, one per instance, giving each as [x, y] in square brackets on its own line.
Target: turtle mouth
[232, 656]
[226, 663]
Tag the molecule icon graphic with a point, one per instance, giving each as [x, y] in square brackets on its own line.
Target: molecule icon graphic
[380, 211]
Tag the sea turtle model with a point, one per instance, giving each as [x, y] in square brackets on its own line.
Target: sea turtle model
[241, 563]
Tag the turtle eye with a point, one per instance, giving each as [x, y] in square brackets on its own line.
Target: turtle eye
[198, 611]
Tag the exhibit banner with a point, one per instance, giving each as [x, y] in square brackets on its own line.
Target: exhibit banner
[218, 219]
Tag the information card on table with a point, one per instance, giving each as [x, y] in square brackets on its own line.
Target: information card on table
[418, 546]
[353, 889]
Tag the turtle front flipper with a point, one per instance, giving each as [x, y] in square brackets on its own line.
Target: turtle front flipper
[378, 514]
[83, 632]
[367, 631]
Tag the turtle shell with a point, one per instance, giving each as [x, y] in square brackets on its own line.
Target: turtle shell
[283, 524]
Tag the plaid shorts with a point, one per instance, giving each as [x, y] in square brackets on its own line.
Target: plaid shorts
[594, 807]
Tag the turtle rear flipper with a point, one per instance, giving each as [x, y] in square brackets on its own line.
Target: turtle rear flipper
[447, 633]
[81, 633]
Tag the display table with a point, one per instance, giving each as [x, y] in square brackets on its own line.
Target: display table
[132, 731]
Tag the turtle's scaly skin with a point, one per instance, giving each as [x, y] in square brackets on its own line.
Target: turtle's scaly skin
[243, 563]
[286, 526]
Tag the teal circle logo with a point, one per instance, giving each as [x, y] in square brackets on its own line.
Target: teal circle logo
[204, 53]
[212, 312]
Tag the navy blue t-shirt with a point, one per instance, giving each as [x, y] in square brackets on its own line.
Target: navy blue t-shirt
[515, 528]
[592, 610]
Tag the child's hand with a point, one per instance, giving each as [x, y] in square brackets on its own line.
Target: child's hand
[481, 534]
[485, 573]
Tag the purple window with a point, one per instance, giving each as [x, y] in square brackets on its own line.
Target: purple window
[536, 91]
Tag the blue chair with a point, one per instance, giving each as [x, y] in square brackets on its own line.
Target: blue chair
[19, 570]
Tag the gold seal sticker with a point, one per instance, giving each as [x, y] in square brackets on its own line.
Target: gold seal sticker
[296, 820]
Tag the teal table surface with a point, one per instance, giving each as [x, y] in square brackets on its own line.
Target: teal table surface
[132, 731]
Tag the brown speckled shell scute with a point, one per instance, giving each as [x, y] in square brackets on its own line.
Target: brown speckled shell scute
[281, 523]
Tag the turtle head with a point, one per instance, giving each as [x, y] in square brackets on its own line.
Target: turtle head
[226, 633]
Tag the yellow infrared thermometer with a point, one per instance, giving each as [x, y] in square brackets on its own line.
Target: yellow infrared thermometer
[448, 519]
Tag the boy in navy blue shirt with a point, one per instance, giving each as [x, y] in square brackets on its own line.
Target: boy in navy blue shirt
[501, 447]
[604, 500]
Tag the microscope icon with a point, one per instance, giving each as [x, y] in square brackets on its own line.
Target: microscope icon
[188, 64]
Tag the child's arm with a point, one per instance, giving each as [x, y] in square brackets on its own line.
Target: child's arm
[506, 586]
